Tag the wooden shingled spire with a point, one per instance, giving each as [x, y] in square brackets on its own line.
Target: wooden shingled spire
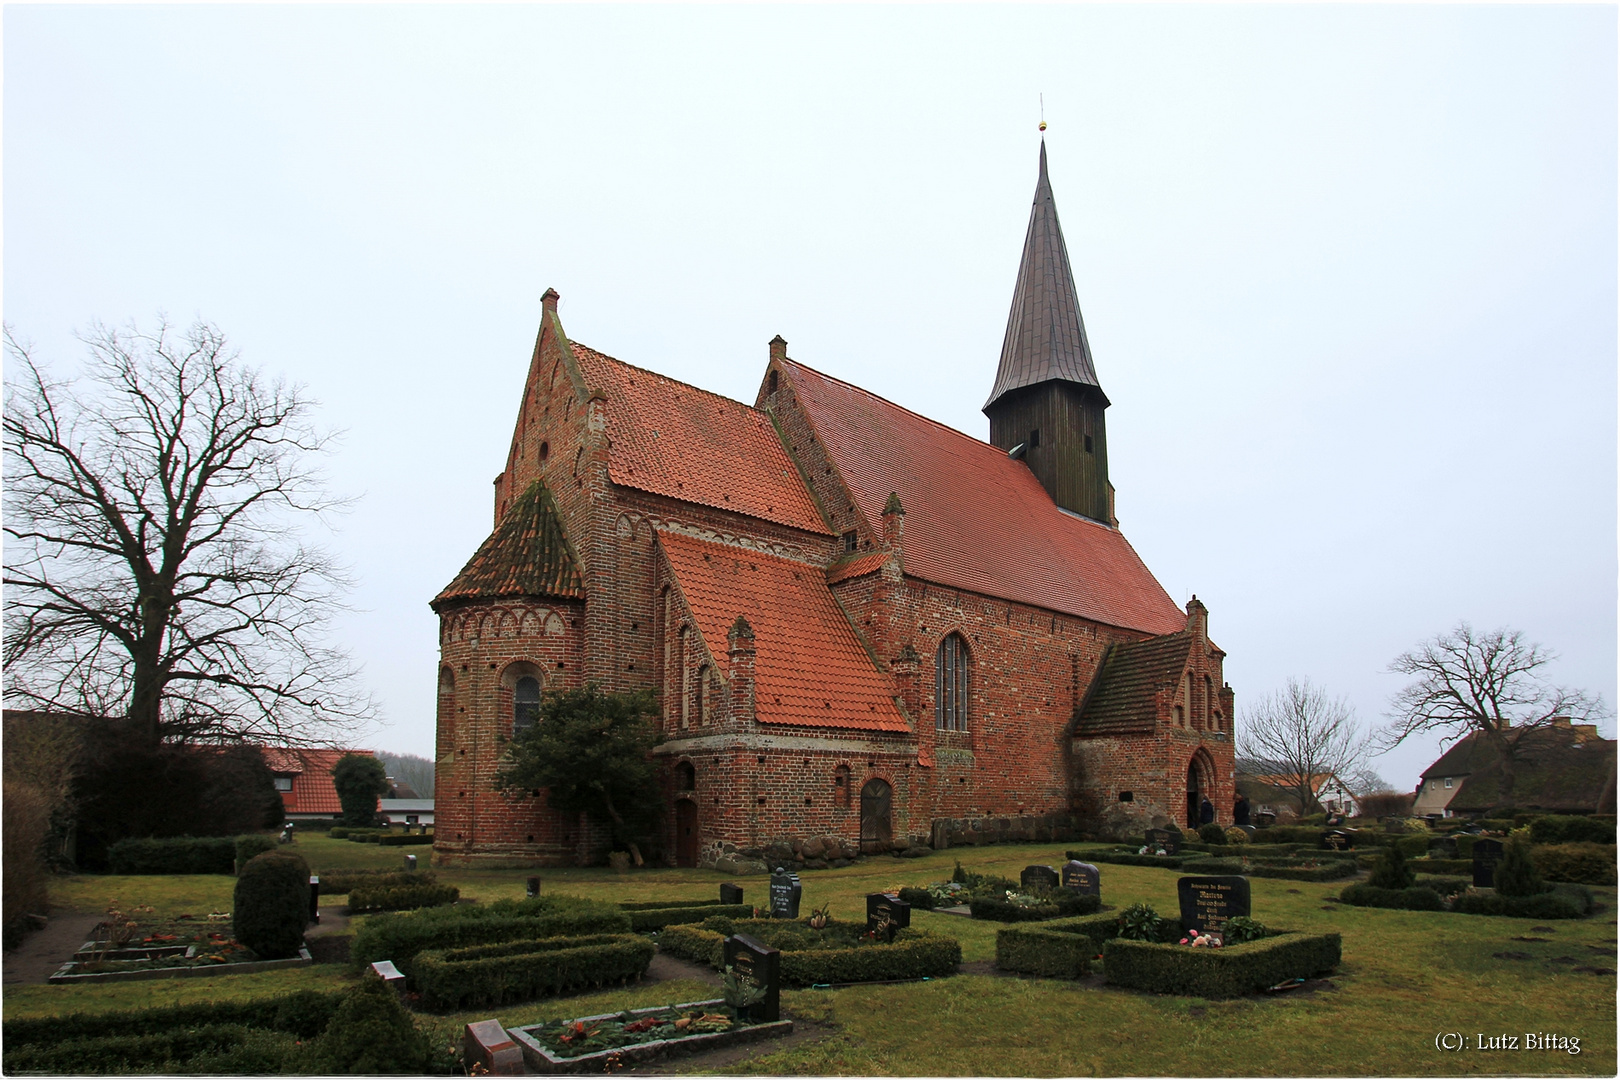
[528, 554]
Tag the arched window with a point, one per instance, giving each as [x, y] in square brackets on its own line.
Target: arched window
[685, 777]
[525, 703]
[1211, 717]
[705, 700]
[951, 684]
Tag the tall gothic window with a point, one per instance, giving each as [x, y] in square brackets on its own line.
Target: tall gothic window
[525, 703]
[951, 684]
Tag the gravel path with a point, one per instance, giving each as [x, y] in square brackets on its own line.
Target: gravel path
[43, 951]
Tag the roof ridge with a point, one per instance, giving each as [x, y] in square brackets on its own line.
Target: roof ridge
[668, 378]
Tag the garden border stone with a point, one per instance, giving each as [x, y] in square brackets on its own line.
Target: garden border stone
[543, 1061]
[66, 974]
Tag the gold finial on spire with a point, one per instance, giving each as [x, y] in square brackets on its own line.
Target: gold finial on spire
[1043, 112]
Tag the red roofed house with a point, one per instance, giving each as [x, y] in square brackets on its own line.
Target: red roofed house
[861, 622]
[304, 779]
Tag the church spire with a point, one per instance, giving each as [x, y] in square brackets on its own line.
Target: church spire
[1046, 338]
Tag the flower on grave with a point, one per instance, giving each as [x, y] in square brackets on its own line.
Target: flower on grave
[1142, 850]
[1184, 941]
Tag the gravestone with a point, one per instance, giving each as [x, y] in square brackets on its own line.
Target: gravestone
[730, 894]
[1338, 840]
[1246, 828]
[488, 1050]
[1207, 902]
[1265, 819]
[410, 862]
[885, 914]
[1082, 877]
[1038, 877]
[531, 888]
[388, 973]
[761, 965]
[785, 893]
[314, 899]
[1169, 839]
[1487, 853]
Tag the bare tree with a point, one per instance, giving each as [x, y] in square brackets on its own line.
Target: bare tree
[1301, 733]
[154, 567]
[1489, 684]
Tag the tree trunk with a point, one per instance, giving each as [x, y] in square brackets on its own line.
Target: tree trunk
[635, 852]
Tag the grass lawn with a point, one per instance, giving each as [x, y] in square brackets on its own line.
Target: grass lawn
[1406, 978]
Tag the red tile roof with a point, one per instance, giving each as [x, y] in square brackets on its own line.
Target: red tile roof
[528, 554]
[312, 789]
[857, 567]
[673, 439]
[1124, 698]
[976, 519]
[809, 667]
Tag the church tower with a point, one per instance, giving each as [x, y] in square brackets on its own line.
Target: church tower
[1047, 406]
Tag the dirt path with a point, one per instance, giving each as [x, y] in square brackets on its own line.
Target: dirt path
[43, 951]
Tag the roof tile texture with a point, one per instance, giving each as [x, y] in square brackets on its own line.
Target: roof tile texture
[976, 519]
[1133, 672]
[809, 667]
[312, 789]
[526, 555]
[673, 439]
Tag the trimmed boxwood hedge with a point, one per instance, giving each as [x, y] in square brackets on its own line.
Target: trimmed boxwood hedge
[402, 936]
[1220, 973]
[1562, 902]
[914, 954]
[270, 904]
[304, 1013]
[491, 975]
[1062, 949]
[1416, 898]
[1441, 866]
[1585, 864]
[656, 918]
[173, 855]
[1327, 871]
[699, 944]
[338, 882]
[1571, 829]
[250, 845]
[230, 1049]
[1447, 887]
[997, 910]
[1128, 858]
[919, 899]
[368, 897]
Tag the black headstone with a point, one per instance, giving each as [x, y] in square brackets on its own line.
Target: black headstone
[1169, 839]
[886, 913]
[531, 888]
[785, 893]
[1038, 877]
[760, 965]
[314, 899]
[1207, 902]
[730, 894]
[1487, 853]
[1338, 840]
[1082, 877]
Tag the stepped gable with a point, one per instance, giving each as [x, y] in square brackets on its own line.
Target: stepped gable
[809, 667]
[527, 555]
[976, 519]
[671, 438]
[1123, 699]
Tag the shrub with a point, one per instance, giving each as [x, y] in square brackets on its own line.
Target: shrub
[1212, 834]
[1140, 922]
[339, 882]
[1046, 951]
[1377, 804]
[403, 839]
[1413, 898]
[1001, 910]
[360, 780]
[1570, 829]
[1441, 866]
[1219, 973]
[304, 1013]
[1587, 864]
[271, 904]
[400, 937]
[213, 1048]
[1235, 835]
[1289, 834]
[1213, 866]
[371, 1033]
[834, 954]
[1390, 871]
[173, 855]
[338, 832]
[658, 918]
[1240, 929]
[699, 944]
[1561, 903]
[250, 845]
[491, 975]
[1447, 887]
[1516, 874]
[921, 899]
[1128, 858]
[26, 822]
[370, 897]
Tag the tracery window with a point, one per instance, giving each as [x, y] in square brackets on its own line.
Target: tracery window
[951, 684]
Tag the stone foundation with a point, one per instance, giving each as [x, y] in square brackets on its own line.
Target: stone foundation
[1022, 829]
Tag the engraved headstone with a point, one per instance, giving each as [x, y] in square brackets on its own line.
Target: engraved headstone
[785, 893]
[531, 888]
[1038, 877]
[314, 899]
[388, 973]
[1207, 902]
[488, 1050]
[730, 894]
[1169, 839]
[1487, 853]
[886, 913]
[410, 862]
[1083, 878]
[757, 964]
[1338, 840]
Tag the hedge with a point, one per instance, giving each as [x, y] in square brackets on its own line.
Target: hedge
[1570, 829]
[694, 943]
[1057, 950]
[1128, 858]
[339, 882]
[1329, 871]
[370, 897]
[492, 975]
[919, 899]
[1219, 973]
[250, 845]
[270, 904]
[400, 937]
[210, 1049]
[1585, 864]
[404, 839]
[1563, 902]
[914, 954]
[658, 918]
[1441, 866]
[1447, 887]
[1061, 907]
[304, 1013]
[173, 855]
[1417, 898]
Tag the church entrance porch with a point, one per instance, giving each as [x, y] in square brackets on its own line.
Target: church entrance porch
[1200, 785]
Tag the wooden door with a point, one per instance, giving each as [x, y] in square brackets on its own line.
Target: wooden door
[686, 833]
[876, 827]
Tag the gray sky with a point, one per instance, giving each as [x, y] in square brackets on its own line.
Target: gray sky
[1348, 273]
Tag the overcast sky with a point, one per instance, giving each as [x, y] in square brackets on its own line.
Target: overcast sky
[1348, 273]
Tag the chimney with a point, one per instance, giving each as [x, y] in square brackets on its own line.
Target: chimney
[778, 348]
[548, 301]
[740, 653]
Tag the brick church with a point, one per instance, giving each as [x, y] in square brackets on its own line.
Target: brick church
[860, 623]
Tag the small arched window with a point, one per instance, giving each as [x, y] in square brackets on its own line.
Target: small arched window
[951, 684]
[685, 777]
[525, 703]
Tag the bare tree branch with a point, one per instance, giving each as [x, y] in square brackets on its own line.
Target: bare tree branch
[1301, 733]
[154, 568]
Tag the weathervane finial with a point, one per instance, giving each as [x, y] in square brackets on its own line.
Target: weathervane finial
[1043, 112]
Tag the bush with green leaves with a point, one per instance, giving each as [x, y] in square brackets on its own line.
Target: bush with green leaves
[367, 897]
[839, 952]
[372, 1034]
[1585, 864]
[1516, 874]
[486, 976]
[919, 899]
[645, 918]
[360, 780]
[1140, 922]
[400, 937]
[1058, 904]
[271, 904]
[173, 855]
[1211, 833]
[1241, 928]
[303, 1013]
[1235, 835]
[1447, 887]
[338, 882]
[1411, 898]
[1230, 971]
[1571, 829]
[252, 844]
[1561, 902]
[1391, 871]
[404, 839]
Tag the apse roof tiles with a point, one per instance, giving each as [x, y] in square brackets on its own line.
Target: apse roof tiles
[527, 555]
[1124, 700]
[976, 519]
[809, 667]
[673, 439]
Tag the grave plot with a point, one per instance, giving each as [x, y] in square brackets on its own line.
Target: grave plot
[126, 948]
[1040, 893]
[822, 951]
[1500, 885]
[1213, 949]
[500, 974]
[648, 915]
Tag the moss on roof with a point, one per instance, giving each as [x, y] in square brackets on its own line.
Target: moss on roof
[528, 554]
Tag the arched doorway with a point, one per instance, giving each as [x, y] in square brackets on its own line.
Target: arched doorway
[686, 833]
[1199, 787]
[876, 827]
